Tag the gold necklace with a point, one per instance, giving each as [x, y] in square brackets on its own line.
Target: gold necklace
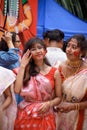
[69, 97]
[72, 70]
[74, 64]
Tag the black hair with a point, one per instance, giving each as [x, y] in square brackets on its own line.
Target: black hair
[64, 46]
[46, 34]
[56, 35]
[14, 37]
[3, 45]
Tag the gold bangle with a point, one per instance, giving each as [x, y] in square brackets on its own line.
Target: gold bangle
[77, 106]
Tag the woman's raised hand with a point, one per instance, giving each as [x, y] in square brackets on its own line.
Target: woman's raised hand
[7, 36]
[26, 58]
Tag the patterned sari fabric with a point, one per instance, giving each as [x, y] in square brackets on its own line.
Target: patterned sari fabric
[39, 90]
[8, 116]
[75, 91]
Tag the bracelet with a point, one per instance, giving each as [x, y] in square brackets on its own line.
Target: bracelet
[77, 106]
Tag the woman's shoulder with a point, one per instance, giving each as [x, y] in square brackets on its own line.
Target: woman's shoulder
[50, 70]
[63, 64]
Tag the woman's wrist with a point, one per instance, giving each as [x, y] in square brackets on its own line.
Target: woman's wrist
[75, 106]
[22, 66]
[10, 44]
[49, 103]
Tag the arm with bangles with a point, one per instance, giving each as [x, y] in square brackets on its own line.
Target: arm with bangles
[68, 106]
[65, 107]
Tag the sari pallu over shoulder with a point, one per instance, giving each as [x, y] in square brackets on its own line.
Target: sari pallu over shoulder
[39, 89]
[75, 91]
[75, 87]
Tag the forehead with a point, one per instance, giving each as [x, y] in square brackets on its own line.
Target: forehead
[36, 44]
[73, 41]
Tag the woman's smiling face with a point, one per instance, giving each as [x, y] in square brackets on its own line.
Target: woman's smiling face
[38, 52]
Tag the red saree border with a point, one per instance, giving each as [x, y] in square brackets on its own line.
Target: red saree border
[80, 120]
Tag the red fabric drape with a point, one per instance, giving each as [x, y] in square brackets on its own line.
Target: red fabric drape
[27, 34]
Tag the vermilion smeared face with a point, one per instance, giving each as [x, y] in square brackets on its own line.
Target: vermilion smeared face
[76, 53]
[72, 50]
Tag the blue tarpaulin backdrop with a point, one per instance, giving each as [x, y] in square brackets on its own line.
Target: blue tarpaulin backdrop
[51, 16]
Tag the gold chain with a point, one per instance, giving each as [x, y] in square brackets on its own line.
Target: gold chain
[74, 64]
